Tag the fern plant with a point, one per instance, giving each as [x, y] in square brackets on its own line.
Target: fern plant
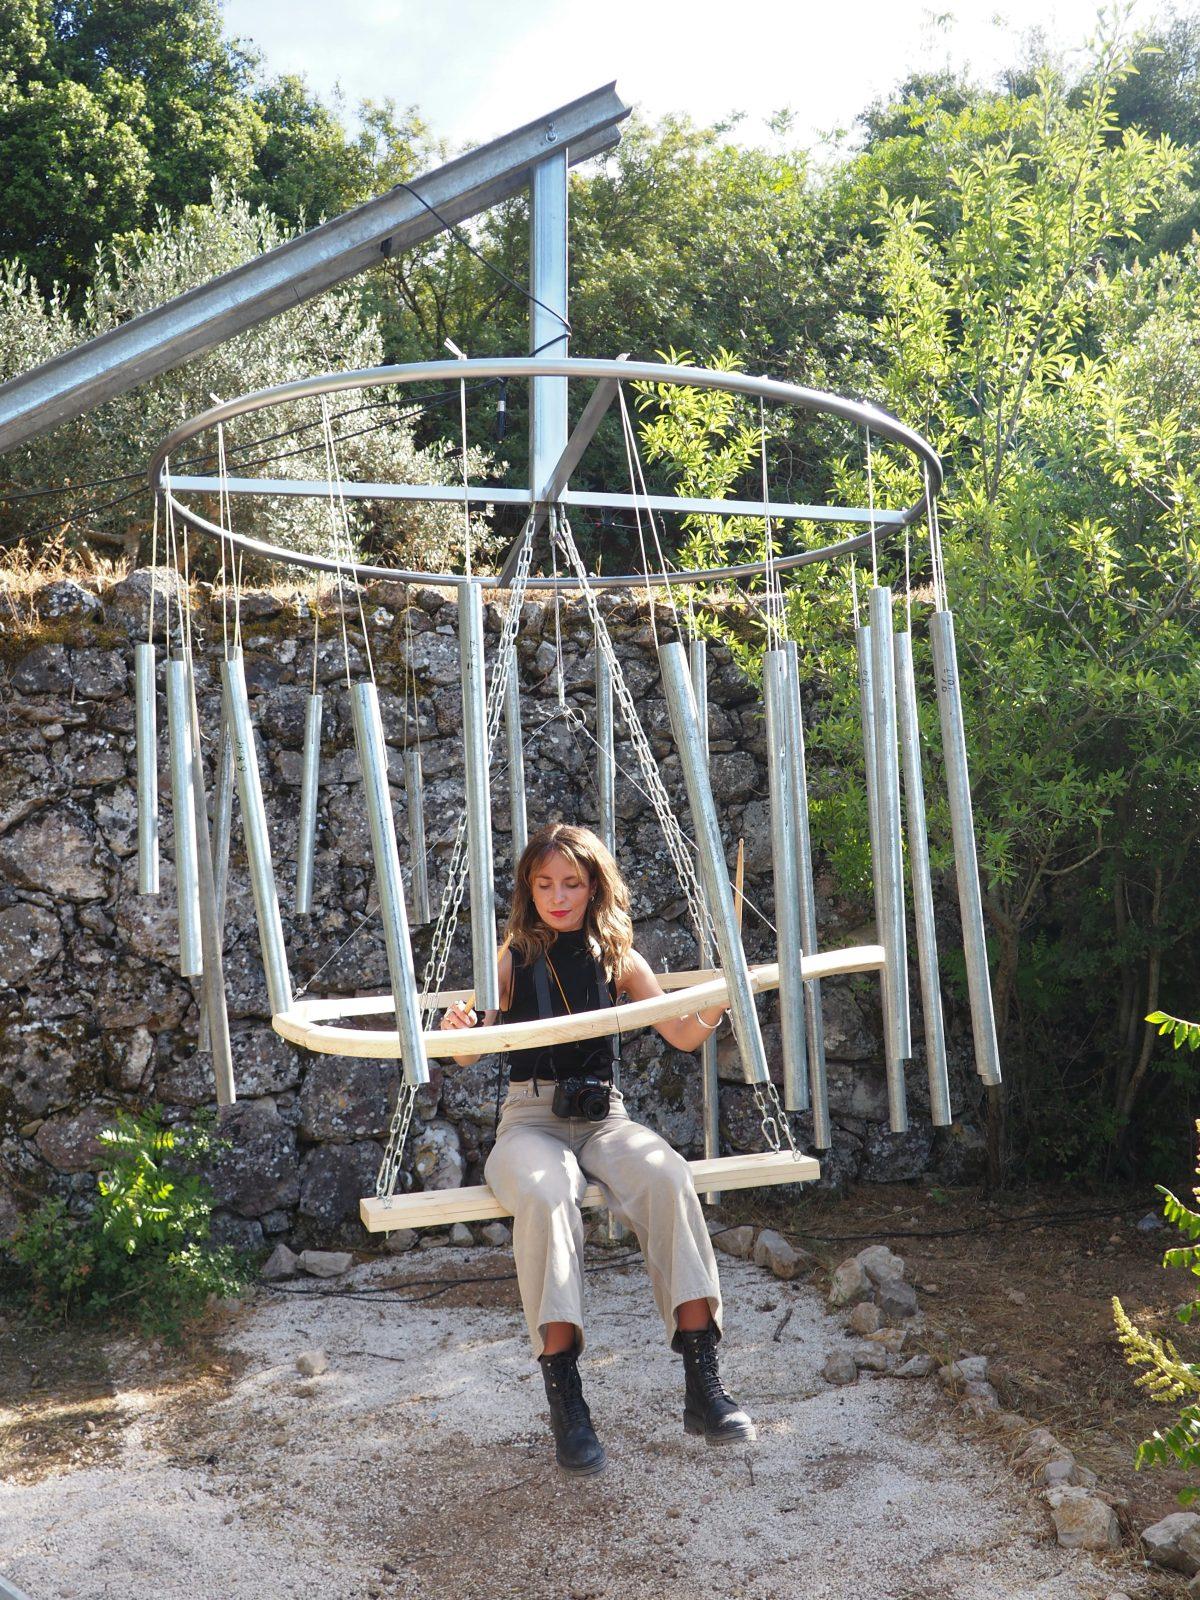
[1168, 1378]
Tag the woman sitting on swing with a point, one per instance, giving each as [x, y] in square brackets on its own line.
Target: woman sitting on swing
[570, 950]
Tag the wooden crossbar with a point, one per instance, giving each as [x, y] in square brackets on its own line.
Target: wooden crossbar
[439, 1208]
[303, 1024]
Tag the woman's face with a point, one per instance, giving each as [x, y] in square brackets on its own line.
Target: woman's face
[561, 892]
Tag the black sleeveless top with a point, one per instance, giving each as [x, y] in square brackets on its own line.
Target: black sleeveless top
[581, 977]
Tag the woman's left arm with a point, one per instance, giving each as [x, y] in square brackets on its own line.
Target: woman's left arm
[684, 1033]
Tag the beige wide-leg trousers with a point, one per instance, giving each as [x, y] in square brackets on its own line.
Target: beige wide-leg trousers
[539, 1168]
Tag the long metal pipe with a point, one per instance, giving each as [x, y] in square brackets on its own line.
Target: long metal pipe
[714, 873]
[256, 835]
[414, 795]
[710, 1081]
[606, 760]
[924, 924]
[479, 803]
[310, 775]
[146, 723]
[814, 1019]
[784, 862]
[548, 325]
[887, 795]
[223, 812]
[966, 863]
[515, 746]
[866, 706]
[372, 758]
[179, 735]
[214, 1016]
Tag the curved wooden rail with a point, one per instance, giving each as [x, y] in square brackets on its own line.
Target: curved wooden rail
[307, 1022]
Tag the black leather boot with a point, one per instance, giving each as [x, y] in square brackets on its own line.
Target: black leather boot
[576, 1447]
[707, 1409]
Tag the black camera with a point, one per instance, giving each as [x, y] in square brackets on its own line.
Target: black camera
[584, 1097]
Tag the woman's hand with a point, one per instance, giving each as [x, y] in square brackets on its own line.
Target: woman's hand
[459, 1015]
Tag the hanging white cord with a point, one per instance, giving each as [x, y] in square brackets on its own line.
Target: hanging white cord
[637, 515]
[854, 587]
[774, 598]
[336, 529]
[936, 553]
[871, 506]
[633, 455]
[153, 571]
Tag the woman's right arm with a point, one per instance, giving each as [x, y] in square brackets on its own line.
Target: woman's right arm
[459, 1015]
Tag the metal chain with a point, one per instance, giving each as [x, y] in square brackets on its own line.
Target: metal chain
[456, 881]
[776, 1127]
[655, 788]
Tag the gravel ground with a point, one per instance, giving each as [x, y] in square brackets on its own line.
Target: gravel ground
[419, 1465]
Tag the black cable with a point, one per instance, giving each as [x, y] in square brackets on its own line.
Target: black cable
[385, 1295]
[883, 1232]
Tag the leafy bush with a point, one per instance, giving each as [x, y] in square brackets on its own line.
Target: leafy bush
[140, 1253]
[1169, 1378]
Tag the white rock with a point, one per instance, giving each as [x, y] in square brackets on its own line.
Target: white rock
[772, 1250]
[311, 1363]
[281, 1263]
[1175, 1542]
[865, 1317]
[880, 1264]
[1041, 1445]
[918, 1366]
[982, 1393]
[869, 1357]
[968, 1369]
[400, 1240]
[849, 1284]
[496, 1233]
[460, 1234]
[326, 1263]
[1083, 1522]
[735, 1241]
[840, 1367]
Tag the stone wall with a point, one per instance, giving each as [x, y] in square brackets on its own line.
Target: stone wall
[93, 1013]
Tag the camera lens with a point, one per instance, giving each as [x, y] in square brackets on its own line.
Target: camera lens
[593, 1102]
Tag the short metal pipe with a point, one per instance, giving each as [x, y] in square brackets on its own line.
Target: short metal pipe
[787, 897]
[924, 924]
[414, 796]
[179, 736]
[479, 805]
[887, 789]
[606, 760]
[966, 863]
[814, 1020]
[256, 835]
[714, 873]
[515, 745]
[310, 777]
[372, 758]
[146, 724]
[214, 1014]
[866, 706]
[710, 1082]
[223, 815]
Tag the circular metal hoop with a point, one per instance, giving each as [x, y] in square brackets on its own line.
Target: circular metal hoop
[767, 389]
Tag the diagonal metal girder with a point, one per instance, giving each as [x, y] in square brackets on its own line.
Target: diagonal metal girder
[79, 379]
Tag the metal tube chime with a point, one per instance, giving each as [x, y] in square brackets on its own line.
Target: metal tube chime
[814, 1020]
[147, 767]
[714, 874]
[310, 775]
[479, 808]
[784, 861]
[710, 1080]
[187, 890]
[257, 838]
[966, 863]
[222, 826]
[414, 795]
[606, 761]
[918, 858]
[214, 1016]
[372, 757]
[897, 1024]
[516, 764]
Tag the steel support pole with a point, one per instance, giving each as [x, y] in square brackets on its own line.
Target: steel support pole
[187, 892]
[310, 775]
[548, 328]
[222, 827]
[414, 794]
[256, 835]
[891, 856]
[814, 1019]
[479, 801]
[714, 873]
[606, 761]
[214, 1020]
[372, 758]
[710, 1077]
[966, 863]
[787, 889]
[146, 725]
[924, 924]
[515, 745]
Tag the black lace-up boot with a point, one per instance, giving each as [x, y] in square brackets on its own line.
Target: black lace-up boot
[576, 1447]
[707, 1409]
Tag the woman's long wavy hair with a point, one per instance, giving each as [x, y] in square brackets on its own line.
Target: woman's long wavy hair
[607, 923]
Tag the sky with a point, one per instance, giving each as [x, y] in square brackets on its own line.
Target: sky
[477, 68]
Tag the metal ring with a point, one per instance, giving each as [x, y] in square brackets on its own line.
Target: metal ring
[816, 400]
